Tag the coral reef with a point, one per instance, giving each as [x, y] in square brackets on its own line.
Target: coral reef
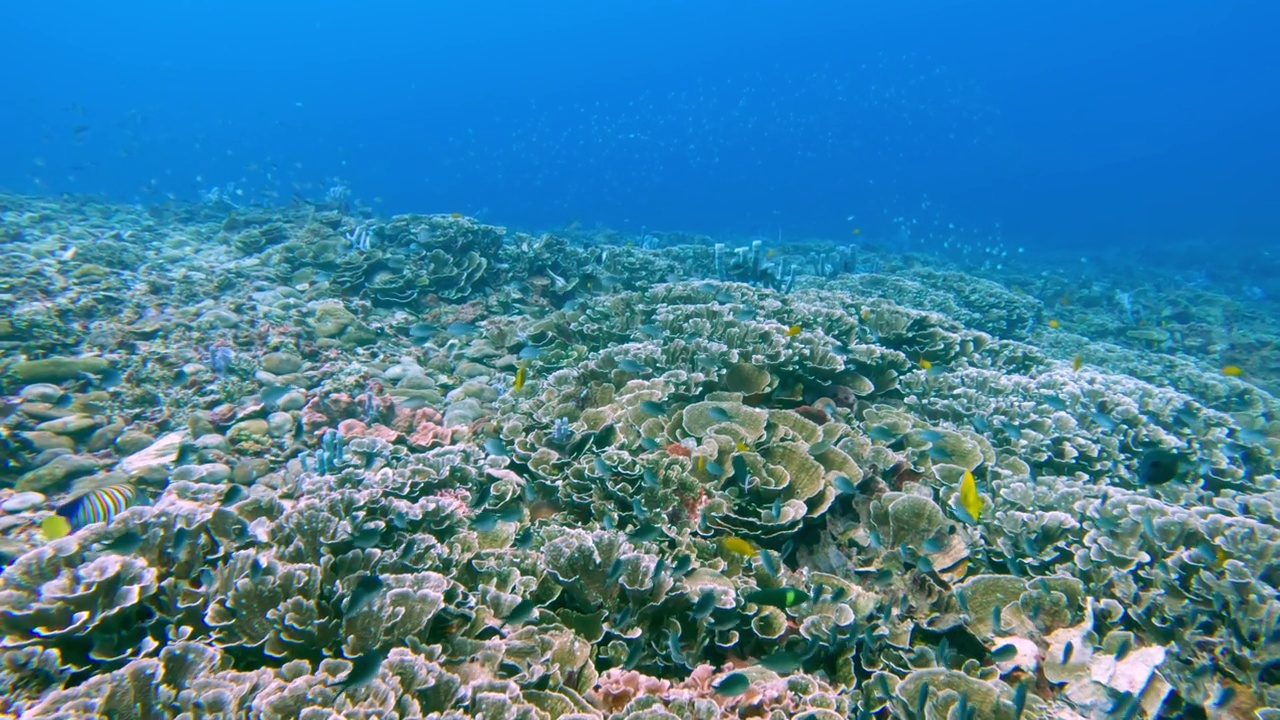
[428, 467]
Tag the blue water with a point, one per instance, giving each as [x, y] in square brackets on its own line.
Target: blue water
[1036, 123]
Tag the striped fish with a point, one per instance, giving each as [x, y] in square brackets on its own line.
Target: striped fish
[95, 506]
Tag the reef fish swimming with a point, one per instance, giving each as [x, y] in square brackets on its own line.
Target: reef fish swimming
[1159, 467]
[969, 498]
[95, 506]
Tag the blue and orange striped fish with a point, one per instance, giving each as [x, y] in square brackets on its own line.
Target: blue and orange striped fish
[95, 506]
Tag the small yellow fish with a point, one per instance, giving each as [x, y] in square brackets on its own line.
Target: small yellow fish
[520, 375]
[1232, 370]
[702, 463]
[1077, 362]
[771, 253]
[738, 546]
[455, 216]
[969, 499]
[925, 364]
[857, 231]
[793, 331]
[741, 447]
[865, 314]
[1055, 324]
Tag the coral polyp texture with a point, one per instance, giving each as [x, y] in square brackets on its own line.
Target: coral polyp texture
[295, 463]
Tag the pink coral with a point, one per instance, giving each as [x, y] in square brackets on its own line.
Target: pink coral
[323, 412]
[357, 428]
[375, 406]
[382, 432]
[429, 430]
[616, 688]
[313, 416]
[352, 428]
[404, 420]
[340, 405]
[422, 428]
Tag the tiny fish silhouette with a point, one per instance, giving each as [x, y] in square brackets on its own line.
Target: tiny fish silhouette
[732, 685]
[363, 669]
[522, 612]
[363, 594]
[781, 662]
[783, 597]
[1005, 652]
[719, 414]
[1159, 467]
[705, 604]
[126, 544]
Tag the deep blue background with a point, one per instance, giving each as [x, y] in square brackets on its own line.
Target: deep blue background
[1089, 121]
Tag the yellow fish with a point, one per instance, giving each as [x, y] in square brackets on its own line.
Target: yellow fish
[1077, 362]
[455, 216]
[925, 364]
[857, 231]
[738, 546]
[793, 331]
[1232, 370]
[520, 375]
[1055, 324]
[741, 447]
[702, 463]
[969, 498]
